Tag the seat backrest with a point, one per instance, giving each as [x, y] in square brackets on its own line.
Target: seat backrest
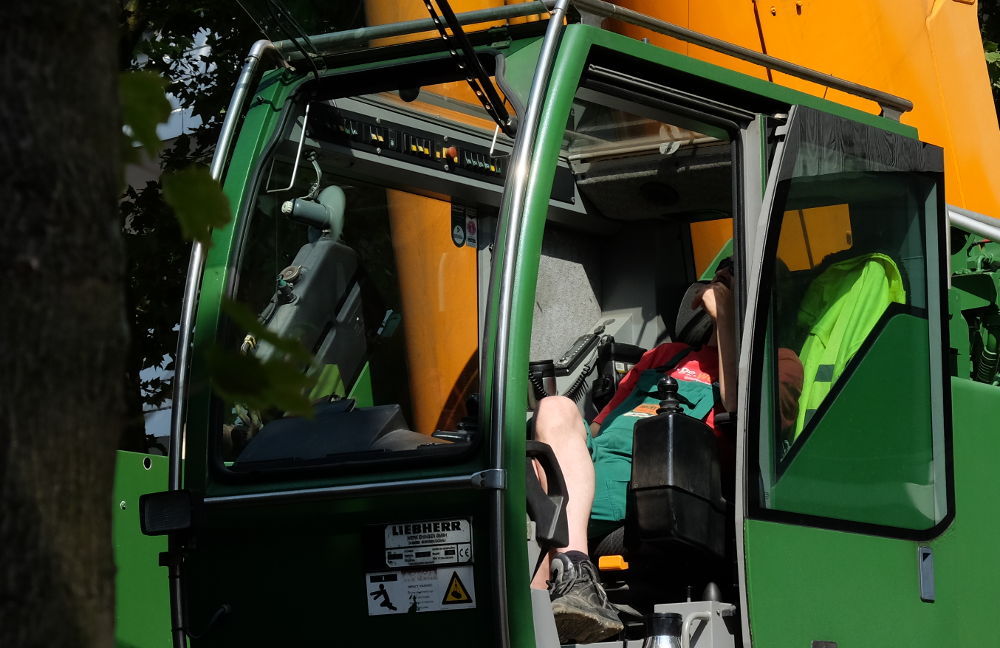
[839, 310]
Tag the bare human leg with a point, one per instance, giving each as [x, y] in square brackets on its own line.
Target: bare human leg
[580, 605]
[559, 424]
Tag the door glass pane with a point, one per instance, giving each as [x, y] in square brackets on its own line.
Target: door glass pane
[852, 425]
[377, 280]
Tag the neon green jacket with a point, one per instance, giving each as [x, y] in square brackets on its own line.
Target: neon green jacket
[839, 310]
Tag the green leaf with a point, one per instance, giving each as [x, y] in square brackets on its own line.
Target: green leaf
[247, 321]
[244, 379]
[197, 201]
[144, 106]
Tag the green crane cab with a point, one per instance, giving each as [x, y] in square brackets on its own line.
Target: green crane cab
[448, 257]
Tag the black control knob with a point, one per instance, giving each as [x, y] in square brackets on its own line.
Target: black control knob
[666, 391]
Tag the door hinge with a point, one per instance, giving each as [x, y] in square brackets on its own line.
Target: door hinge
[493, 478]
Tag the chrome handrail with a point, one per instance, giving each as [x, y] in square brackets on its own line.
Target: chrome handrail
[189, 307]
[512, 212]
[974, 222]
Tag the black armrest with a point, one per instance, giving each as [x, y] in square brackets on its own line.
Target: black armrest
[547, 509]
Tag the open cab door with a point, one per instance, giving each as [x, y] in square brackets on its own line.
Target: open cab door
[845, 411]
[365, 200]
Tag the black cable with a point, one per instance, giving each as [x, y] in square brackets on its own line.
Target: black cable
[276, 11]
[289, 17]
[468, 62]
[576, 389]
[223, 610]
[253, 19]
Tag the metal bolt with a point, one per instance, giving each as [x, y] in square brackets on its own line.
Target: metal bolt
[123, 505]
[774, 11]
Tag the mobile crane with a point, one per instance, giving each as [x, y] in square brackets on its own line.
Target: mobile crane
[449, 256]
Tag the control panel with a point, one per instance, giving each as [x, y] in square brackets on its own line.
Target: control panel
[452, 154]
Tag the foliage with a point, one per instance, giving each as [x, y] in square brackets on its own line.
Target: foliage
[197, 201]
[198, 49]
[144, 107]
[154, 285]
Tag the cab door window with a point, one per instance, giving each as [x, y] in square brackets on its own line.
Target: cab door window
[852, 395]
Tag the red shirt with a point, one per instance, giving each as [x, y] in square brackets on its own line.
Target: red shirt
[699, 365]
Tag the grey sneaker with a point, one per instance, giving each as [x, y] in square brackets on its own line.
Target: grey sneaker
[580, 606]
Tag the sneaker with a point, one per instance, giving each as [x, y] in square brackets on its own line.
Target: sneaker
[580, 606]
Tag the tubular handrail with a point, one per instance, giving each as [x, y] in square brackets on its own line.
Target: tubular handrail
[327, 42]
[974, 222]
[892, 106]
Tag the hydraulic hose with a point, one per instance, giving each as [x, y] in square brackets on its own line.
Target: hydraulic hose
[989, 358]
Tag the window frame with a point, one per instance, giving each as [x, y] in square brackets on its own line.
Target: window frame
[758, 354]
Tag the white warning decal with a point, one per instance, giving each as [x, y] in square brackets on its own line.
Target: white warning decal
[421, 590]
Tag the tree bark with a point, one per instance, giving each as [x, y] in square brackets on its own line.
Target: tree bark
[62, 326]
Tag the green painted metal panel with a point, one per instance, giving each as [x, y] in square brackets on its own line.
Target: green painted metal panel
[808, 584]
[294, 574]
[966, 560]
[811, 584]
[142, 603]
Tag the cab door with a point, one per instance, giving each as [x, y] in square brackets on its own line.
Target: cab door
[845, 414]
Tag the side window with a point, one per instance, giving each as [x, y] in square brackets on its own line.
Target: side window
[376, 281]
[852, 397]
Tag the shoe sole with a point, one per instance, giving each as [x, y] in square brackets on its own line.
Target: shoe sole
[575, 625]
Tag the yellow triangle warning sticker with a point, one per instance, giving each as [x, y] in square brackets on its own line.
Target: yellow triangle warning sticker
[456, 592]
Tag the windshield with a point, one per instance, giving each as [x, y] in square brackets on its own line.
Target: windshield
[368, 243]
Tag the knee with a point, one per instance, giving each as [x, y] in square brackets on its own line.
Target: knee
[556, 416]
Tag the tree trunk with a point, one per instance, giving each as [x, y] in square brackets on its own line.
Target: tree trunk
[62, 326]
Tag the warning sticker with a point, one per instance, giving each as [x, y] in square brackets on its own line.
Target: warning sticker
[457, 225]
[421, 590]
[471, 228]
[455, 592]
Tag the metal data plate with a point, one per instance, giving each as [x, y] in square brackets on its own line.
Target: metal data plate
[420, 566]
